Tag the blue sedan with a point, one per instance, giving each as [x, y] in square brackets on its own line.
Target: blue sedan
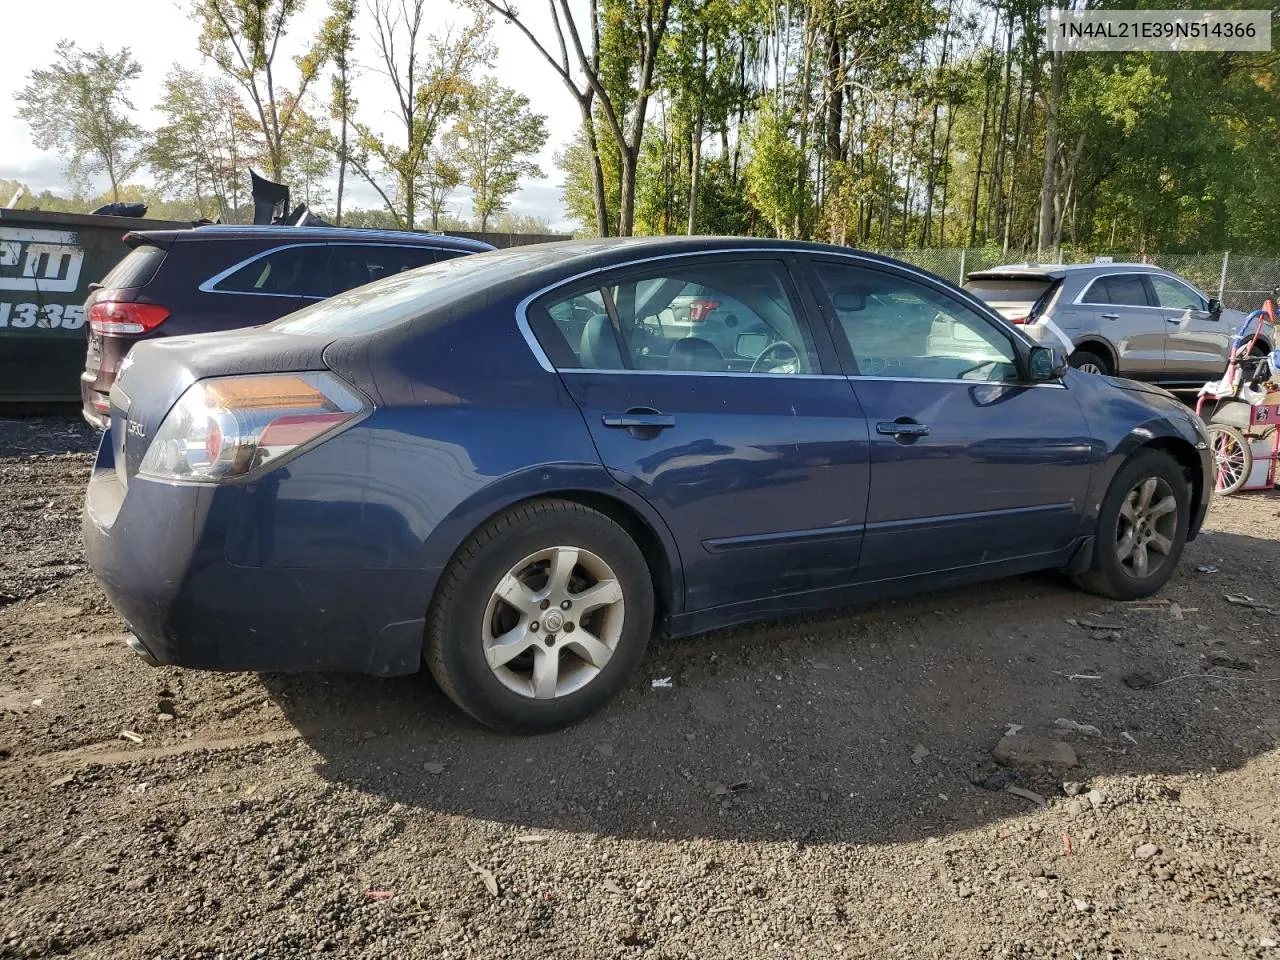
[517, 466]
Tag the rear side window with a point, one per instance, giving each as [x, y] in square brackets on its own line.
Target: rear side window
[1123, 289]
[137, 269]
[354, 265]
[294, 271]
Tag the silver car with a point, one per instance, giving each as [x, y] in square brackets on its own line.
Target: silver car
[1126, 319]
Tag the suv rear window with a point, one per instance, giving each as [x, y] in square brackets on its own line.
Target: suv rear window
[1009, 291]
[137, 269]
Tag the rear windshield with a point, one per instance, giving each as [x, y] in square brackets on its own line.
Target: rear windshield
[136, 270]
[1008, 291]
[377, 306]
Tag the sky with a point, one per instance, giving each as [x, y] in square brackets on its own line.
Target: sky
[161, 32]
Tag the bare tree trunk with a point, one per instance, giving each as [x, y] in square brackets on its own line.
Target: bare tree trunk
[1048, 182]
[926, 231]
[982, 136]
[1001, 153]
[695, 142]
[597, 168]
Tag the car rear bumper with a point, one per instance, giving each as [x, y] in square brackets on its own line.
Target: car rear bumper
[95, 406]
[159, 550]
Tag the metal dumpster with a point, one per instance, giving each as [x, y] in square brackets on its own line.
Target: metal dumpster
[47, 261]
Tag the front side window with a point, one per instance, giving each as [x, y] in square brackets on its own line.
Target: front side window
[714, 317]
[1173, 295]
[895, 327]
[296, 271]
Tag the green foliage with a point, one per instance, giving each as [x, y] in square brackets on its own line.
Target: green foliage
[79, 107]
[429, 76]
[494, 134]
[241, 37]
[200, 155]
[772, 186]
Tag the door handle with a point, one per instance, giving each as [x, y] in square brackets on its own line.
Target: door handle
[1111, 316]
[896, 428]
[639, 418]
[1174, 319]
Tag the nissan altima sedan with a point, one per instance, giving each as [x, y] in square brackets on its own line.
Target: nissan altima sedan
[508, 468]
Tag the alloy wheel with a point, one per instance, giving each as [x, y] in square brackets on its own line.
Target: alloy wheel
[1148, 524]
[553, 622]
[1088, 367]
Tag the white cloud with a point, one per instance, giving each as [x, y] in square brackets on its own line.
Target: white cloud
[160, 33]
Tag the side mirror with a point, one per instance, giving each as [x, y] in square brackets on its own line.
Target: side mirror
[1215, 308]
[1046, 364]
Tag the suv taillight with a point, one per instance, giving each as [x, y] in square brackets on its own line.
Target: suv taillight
[700, 309]
[1019, 320]
[114, 318]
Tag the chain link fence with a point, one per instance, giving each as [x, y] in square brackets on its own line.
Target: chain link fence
[1240, 282]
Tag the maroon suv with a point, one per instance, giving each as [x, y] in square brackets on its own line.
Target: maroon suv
[176, 282]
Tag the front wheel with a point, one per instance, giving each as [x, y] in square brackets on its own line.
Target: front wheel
[1088, 362]
[1142, 528]
[540, 618]
[1232, 458]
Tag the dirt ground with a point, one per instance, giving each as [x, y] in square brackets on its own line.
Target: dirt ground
[803, 789]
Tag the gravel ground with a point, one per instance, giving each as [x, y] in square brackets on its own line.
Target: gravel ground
[804, 789]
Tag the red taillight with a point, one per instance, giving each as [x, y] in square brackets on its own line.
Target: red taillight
[101, 404]
[1018, 319]
[700, 309]
[114, 318]
[291, 431]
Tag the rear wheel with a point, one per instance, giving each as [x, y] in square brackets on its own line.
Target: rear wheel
[1232, 458]
[540, 618]
[1086, 361]
[1142, 528]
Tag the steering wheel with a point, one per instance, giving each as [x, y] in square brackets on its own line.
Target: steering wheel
[776, 345]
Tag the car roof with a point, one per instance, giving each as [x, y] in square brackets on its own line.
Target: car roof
[287, 234]
[1058, 271]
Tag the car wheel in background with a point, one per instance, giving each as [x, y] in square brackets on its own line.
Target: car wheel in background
[1088, 362]
[540, 618]
[1232, 458]
[1142, 528]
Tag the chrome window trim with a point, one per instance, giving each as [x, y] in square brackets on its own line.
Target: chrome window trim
[710, 373]
[1054, 384]
[209, 285]
[522, 308]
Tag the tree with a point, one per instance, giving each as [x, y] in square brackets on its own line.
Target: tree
[338, 38]
[242, 38]
[80, 108]
[429, 77]
[616, 65]
[201, 153]
[494, 133]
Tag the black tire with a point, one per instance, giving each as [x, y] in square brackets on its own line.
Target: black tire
[1109, 575]
[458, 618]
[1233, 458]
[1089, 361]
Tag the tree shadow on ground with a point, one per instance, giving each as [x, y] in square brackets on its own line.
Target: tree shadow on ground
[804, 730]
